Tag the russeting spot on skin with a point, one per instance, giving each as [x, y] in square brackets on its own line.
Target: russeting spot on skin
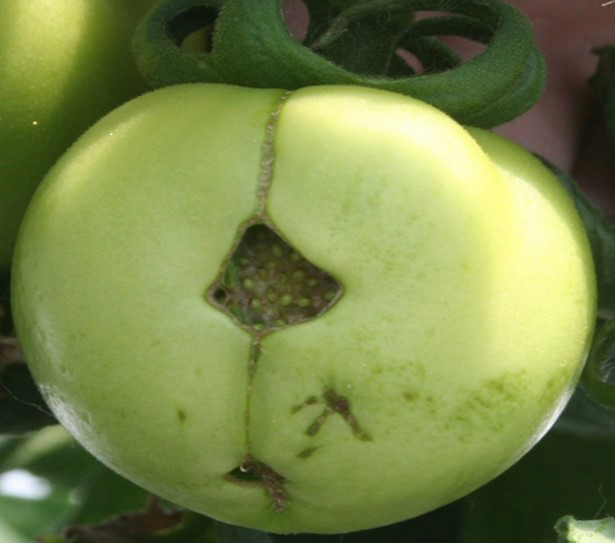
[317, 311]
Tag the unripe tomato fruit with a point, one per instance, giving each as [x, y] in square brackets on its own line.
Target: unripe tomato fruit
[318, 311]
[63, 65]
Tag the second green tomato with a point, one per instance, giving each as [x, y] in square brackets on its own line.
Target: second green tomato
[63, 65]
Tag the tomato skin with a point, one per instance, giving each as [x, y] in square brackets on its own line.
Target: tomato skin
[467, 308]
[63, 64]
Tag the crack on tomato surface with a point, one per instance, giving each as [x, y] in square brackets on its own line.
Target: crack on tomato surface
[265, 285]
[252, 472]
[268, 156]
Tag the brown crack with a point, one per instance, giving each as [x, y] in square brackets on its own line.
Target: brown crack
[252, 472]
[264, 285]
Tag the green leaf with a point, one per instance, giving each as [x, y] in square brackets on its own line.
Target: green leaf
[50, 453]
[89, 491]
[226, 533]
[8, 446]
[584, 418]
[571, 530]
[6, 323]
[352, 42]
[598, 376]
[22, 409]
[51, 539]
[103, 494]
[29, 518]
[9, 535]
[562, 475]
[603, 85]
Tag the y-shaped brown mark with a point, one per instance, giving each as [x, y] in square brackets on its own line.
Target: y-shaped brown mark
[334, 404]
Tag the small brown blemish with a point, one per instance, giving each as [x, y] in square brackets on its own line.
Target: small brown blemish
[306, 453]
[410, 396]
[181, 415]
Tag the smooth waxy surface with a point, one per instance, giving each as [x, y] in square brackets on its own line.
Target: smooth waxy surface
[460, 317]
[63, 64]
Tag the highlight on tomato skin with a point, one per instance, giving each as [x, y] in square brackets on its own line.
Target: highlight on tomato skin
[270, 292]
[64, 64]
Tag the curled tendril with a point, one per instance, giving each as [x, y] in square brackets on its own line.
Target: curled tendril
[354, 42]
[599, 374]
[157, 43]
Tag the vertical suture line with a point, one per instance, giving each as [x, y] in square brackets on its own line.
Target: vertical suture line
[264, 182]
[255, 351]
[267, 155]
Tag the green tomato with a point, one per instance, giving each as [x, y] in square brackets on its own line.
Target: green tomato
[318, 311]
[63, 64]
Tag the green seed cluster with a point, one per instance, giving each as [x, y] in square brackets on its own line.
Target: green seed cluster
[267, 284]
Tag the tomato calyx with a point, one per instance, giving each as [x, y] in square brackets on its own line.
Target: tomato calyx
[353, 42]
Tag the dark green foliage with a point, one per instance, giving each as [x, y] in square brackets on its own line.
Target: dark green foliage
[356, 43]
[603, 85]
[22, 408]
